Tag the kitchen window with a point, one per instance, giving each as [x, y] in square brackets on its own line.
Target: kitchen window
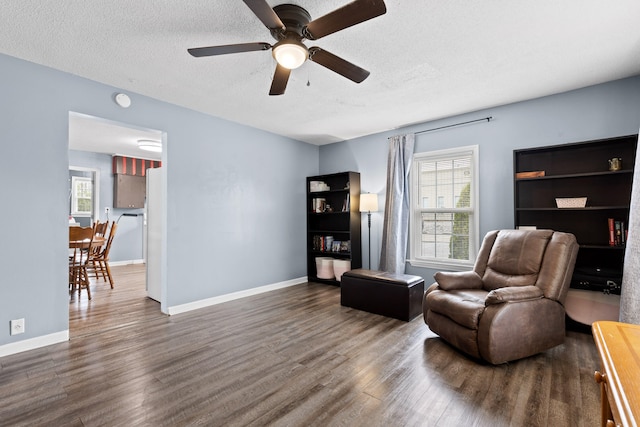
[81, 196]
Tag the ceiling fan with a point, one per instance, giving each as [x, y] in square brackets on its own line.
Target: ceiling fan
[290, 24]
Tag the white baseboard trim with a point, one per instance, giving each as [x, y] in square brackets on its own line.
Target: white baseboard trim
[33, 343]
[126, 262]
[183, 308]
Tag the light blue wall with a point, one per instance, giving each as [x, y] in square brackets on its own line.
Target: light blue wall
[601, 111]
[128, 243]
[235, 196]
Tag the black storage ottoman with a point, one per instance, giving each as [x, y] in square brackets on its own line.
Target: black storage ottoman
[388, 294]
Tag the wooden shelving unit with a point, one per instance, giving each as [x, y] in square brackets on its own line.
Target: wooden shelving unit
[341, 220]
[578, 170]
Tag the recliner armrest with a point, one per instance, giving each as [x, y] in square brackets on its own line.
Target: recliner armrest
[449, 281]
[513, 294]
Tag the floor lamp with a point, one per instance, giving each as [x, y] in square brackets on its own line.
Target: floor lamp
[368, 204]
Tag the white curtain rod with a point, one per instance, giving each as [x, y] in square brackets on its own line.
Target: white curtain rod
[488, 119]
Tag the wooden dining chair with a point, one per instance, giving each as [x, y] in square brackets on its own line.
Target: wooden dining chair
[99, 261]
[80, 243]
[100, 228]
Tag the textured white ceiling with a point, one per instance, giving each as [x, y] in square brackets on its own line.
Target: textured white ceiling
[428, 59]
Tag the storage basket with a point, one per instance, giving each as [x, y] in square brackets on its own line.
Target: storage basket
[324, 268]
[571, 202]
[341, 266]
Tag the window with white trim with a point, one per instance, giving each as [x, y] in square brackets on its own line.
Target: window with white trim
[81, 196]
[444, 208]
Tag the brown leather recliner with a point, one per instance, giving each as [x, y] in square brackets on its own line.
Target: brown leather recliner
[510, 305]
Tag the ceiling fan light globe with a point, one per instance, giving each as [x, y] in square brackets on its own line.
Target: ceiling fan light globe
[290, 54]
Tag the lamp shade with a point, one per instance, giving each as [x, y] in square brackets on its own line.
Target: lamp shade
[368, 202]
[290, 53]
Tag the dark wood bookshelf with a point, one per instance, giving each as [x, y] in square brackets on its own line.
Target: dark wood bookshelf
[341, 225]
[578, 169]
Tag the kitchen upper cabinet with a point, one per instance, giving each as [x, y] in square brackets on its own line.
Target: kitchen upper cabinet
[129, 191]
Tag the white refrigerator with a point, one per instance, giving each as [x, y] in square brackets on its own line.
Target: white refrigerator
[155, 233]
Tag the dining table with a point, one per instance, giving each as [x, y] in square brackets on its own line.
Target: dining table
[80, 252]
[96, 242]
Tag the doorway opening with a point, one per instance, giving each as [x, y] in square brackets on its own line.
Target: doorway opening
[94, 143]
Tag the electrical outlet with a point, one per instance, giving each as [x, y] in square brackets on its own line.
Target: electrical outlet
[17, 326]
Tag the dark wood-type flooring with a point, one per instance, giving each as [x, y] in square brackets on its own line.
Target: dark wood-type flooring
[292, 357]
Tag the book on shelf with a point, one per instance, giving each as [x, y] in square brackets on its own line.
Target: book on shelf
[617, 232]
[345, 205]
[612, 231]
[327, 244]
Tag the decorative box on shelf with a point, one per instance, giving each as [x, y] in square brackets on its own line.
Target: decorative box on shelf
[316, 186]
[571, 202]
[532, 174]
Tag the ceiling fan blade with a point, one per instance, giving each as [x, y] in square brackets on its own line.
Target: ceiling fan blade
[337, 64]
[229, 48]
[351, 14]
[265, 13]
[280, 79]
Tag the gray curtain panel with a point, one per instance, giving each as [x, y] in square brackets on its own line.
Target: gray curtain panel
[395, 230]
[630, 294]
